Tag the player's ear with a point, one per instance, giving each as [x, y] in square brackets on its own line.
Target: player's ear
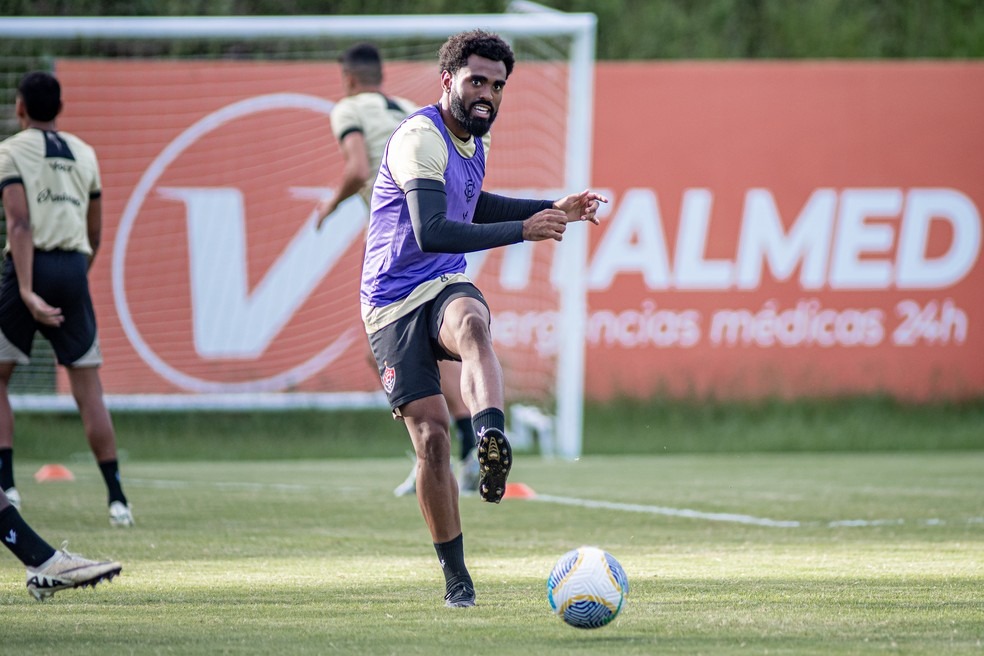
[20, 109]
[446, 81]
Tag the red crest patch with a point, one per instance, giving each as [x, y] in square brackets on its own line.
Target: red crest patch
[389, 379]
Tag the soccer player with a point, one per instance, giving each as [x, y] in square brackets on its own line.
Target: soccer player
[48, 571]
[50, 186]
[362, 121]
[428, 209]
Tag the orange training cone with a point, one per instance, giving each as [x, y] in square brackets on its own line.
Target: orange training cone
[518, 491]
[53, 473]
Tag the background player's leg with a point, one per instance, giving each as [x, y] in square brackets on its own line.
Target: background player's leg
[7, 436]
[461, 417]
[88, 392]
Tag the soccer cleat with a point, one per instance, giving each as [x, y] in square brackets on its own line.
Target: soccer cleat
[13, 496]
[494, 463]
[65, 570]
[468, 475]
[408, 487]
[460, 595]
[120, 514]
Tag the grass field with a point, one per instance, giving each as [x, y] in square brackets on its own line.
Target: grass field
[781, 553]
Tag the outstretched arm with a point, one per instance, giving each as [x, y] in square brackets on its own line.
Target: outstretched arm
[493, 208]
[581, 207]
[499, 221]
[541, 219]
[354, 176]
[427, 205]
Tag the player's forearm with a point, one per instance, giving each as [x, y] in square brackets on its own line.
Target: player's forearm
[351, 184]
[19, 235]
[22, 251]
[493, 208]
[427, 205]
[94, 226]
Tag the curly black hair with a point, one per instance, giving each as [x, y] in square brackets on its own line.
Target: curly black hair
[457, 49]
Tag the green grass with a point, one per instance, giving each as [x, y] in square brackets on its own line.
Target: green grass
[318, 557]
[651, 427]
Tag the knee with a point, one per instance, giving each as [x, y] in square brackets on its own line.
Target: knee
[474, 328]
[433, 443]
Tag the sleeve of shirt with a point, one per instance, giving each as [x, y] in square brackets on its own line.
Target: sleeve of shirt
[345, 119]
[493, 208]
[417, 151]
[8, 170]
[427, 206]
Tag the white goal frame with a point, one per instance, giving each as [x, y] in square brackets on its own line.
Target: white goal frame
[579, 27]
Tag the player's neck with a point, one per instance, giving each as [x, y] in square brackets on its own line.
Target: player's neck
[362, 88]
[47, 126]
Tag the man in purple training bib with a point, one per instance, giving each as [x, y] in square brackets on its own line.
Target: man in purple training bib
[428, 209]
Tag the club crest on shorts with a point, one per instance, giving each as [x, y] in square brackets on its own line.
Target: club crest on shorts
[389, 379]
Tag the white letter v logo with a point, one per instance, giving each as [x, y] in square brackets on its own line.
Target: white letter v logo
[229, 322]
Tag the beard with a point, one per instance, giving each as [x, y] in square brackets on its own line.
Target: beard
[475, 126]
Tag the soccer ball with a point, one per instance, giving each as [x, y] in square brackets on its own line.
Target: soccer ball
[587, 588]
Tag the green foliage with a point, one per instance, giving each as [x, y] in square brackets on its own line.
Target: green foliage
[650, 29]
[781, 29]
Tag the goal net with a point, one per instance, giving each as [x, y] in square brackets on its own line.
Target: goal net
[212, 288]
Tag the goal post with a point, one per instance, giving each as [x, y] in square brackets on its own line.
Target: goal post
[180, 81]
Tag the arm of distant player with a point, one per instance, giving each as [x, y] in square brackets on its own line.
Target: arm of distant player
[355, 174]
[93, 221]
[22, 250]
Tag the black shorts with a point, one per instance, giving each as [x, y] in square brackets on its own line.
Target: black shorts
[61, 279]
[408, 349]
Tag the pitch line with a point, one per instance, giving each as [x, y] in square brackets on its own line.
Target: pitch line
[735, 518]
[669, 512]
[686, 513]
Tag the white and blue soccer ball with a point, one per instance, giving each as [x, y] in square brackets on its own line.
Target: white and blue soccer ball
[587, 588]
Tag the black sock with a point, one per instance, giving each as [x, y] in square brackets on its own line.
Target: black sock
[452, 557]
[6, 469]
[21, 539]
[111, 474]
[489, 418]
[466, 435]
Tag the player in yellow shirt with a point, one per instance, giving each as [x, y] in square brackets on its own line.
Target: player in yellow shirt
[51, 190]
[362, 122]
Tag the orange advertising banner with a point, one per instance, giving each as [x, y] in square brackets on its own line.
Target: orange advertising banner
[788, 229]
[775, 228]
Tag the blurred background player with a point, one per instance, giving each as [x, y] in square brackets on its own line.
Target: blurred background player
[50, 184]
[48, 571]
[362, 121]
